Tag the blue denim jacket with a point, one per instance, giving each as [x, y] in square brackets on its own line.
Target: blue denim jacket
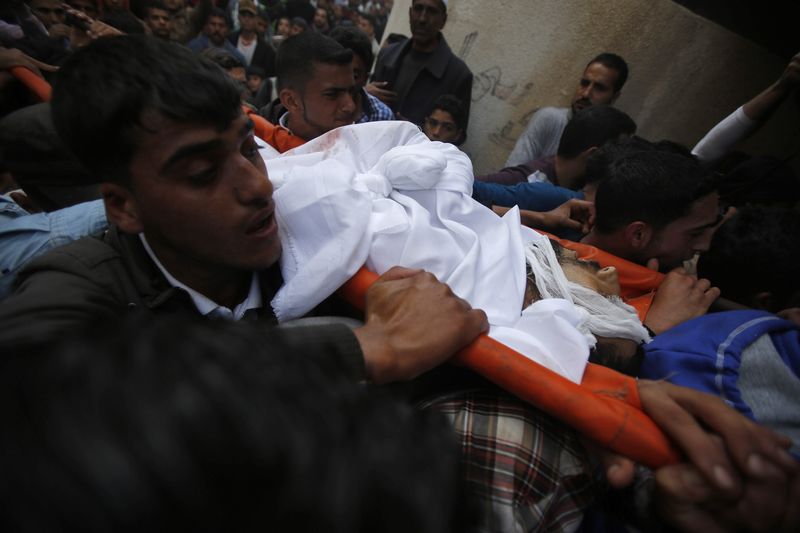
[24, 236]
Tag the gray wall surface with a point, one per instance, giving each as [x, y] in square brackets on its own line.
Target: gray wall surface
[686, 73]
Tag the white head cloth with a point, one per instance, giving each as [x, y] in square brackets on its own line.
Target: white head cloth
[606, 316]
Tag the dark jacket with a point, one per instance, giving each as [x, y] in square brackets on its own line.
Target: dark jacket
[263, 55]
[111, 275]
[443, 73]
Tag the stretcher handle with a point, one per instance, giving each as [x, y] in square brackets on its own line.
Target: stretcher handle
[37, 85]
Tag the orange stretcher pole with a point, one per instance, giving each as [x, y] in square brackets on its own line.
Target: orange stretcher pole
[605, 406]
[38, 86]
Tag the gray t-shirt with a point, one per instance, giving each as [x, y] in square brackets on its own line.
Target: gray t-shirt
[541, 136]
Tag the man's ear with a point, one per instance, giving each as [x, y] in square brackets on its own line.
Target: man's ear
[291, 100]
[638, 234]
[122, 209]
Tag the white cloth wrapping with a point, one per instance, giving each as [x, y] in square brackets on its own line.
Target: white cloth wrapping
[382, 194]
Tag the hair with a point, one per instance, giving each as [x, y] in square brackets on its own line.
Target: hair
[222, 57]
[124, 21]
[614, 62]
[453, 105]
[760, 180]
[756, 251]
[155, 4]
[369, 18]
[219, 13]
[104, 92]
[643, 181]
[159, 425]
[300, 21]
[593, 127]
[355, 40]
[298, 54]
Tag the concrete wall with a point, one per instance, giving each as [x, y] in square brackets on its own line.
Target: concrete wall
[686, 73]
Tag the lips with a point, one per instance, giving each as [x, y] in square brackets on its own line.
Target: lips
[262, 224]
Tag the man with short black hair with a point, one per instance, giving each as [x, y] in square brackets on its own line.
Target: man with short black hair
[214, 35]
[256, 51]
[316, 88]
[445, 122]
[157, 19]
[370, 108]
[655, 207]
[546, 183]
[601, 83]
[411, 75]
[193, 227]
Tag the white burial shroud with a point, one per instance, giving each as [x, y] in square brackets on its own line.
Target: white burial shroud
[381, 194]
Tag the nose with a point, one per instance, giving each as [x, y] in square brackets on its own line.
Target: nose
[610, 276]
[436, 132]
[253, 186]
[348, 103]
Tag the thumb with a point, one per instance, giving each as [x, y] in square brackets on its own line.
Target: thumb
[652, 264]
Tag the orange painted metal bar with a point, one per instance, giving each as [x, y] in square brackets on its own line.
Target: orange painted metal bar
[38, 86]
[605, 406]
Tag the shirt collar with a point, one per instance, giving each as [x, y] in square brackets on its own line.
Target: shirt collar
[206, 306]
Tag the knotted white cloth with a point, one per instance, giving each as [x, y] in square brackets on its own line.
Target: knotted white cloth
[382, 194]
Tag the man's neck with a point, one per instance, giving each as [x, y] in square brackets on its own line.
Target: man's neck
[225, 286]
[299, 127]
[248, 36]
[425, 48]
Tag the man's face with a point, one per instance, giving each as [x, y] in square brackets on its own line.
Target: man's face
[427, 19]
[321, 20]
[589, 274]
[596, 86]
[365, 26]
[203, 199]
[49, 12]
[216, 29]
[284, 27]
[681, 239]
[441, 126]
[159, 22]
[328, 99]
[261, 25]
[254, 82]
[360, 71]
[247, 20]
[296, 29]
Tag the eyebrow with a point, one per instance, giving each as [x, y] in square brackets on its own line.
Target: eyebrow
[186, 152]
[710, 224]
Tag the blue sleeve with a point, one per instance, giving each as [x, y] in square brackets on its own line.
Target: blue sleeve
[531, 196]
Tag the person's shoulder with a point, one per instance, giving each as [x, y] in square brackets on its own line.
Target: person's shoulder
[552, 112]
[82, 255]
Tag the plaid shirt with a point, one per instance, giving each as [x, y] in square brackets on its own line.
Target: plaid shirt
[374, 109]
[528, 471]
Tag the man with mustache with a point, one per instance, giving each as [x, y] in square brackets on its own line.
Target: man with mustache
[411, 75]
[601, 83]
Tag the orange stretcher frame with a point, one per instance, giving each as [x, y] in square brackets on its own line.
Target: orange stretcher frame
[605, 406]
[37, 85]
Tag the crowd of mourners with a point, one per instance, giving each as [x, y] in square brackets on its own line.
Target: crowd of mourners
[185, 185]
